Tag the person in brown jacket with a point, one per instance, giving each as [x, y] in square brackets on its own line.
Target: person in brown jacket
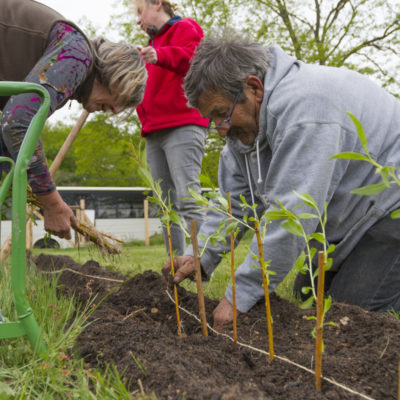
[38, 45]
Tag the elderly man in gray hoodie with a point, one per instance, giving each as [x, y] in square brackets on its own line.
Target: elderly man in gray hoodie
[283, 120]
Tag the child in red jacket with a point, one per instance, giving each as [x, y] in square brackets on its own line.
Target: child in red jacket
[175, 134]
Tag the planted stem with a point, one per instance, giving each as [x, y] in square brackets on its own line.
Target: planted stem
[233, 272]
[320, 314]
[266, 291]
[171, 258]
[199, 284]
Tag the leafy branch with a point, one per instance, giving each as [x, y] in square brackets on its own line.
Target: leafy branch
[388, 174]
[293, 223]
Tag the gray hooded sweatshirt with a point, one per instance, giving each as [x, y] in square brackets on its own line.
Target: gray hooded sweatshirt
[302, 125]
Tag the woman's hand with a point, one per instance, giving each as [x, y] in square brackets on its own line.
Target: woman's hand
[58, 216]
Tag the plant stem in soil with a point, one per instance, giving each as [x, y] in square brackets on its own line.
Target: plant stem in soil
[233, 272]
[266, 292]
[320, 310]
[171, 258]
[199, 283]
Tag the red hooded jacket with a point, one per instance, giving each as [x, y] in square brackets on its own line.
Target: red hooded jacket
[164, 103]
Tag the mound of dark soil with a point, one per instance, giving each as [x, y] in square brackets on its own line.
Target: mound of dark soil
[134, 328]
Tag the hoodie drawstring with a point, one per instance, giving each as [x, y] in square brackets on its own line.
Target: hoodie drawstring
[258, 162]
[249, 178]
[258, 170]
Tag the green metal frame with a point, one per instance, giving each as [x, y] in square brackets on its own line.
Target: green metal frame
[26, 324]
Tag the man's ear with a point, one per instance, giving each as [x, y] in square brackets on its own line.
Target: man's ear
[256, 87]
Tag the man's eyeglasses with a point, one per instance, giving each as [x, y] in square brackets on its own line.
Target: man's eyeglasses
[226, 123]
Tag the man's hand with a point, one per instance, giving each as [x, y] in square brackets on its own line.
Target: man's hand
[58, 217]
[223, 314]
[184, 267]
[148, 54]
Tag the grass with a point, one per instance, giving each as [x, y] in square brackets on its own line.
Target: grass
[56, 374]
[60, 373]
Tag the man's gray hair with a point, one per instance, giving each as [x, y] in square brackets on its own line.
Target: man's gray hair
[222, 65]
[120, 68]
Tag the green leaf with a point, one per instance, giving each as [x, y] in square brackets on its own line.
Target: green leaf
[327, 304]
[385, 172]
[360, 129]
[313, 251]
[165, 219]
[292, 227]
[206, 181]
[395, 214]
[306, 216]
[307, 304]
[370, 189]
[174, 217]
[329, 263]
[349, 155]
[331, 248]
[223, 202]
[306, 289]
[272, 215]
[299, 264]
[319, 237]
[307, 199]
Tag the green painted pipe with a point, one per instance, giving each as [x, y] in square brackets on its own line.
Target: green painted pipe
[18, 249]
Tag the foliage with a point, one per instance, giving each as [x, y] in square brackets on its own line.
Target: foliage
[388, 174]
[56, 374]
[292, 223]
[361, 34]
[100, 155]
[212, 150]
[53, 136]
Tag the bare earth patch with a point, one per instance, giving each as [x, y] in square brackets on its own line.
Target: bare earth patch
[137, 322]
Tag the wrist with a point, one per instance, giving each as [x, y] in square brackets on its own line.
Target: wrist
[49, 200]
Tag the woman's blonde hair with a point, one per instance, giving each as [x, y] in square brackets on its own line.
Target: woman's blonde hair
[120, 68]
[168, 7]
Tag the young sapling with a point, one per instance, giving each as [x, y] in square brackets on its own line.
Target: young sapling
[232, 237]
[213, 200]
[168, 216]
[388, 174]
[199, 284]
[292, 222]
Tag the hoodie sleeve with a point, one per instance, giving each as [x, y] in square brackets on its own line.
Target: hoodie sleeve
[176, 55]
[301, 162]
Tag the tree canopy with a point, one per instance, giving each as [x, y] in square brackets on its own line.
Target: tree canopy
[100, 155]
[359, 34]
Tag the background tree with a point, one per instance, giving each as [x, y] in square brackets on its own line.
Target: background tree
[102, 153]
[53, 136]
[362, 35]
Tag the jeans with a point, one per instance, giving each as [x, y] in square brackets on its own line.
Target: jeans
[174, 156]
[370, 276]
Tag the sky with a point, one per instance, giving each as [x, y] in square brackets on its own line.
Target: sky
[98, 12]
